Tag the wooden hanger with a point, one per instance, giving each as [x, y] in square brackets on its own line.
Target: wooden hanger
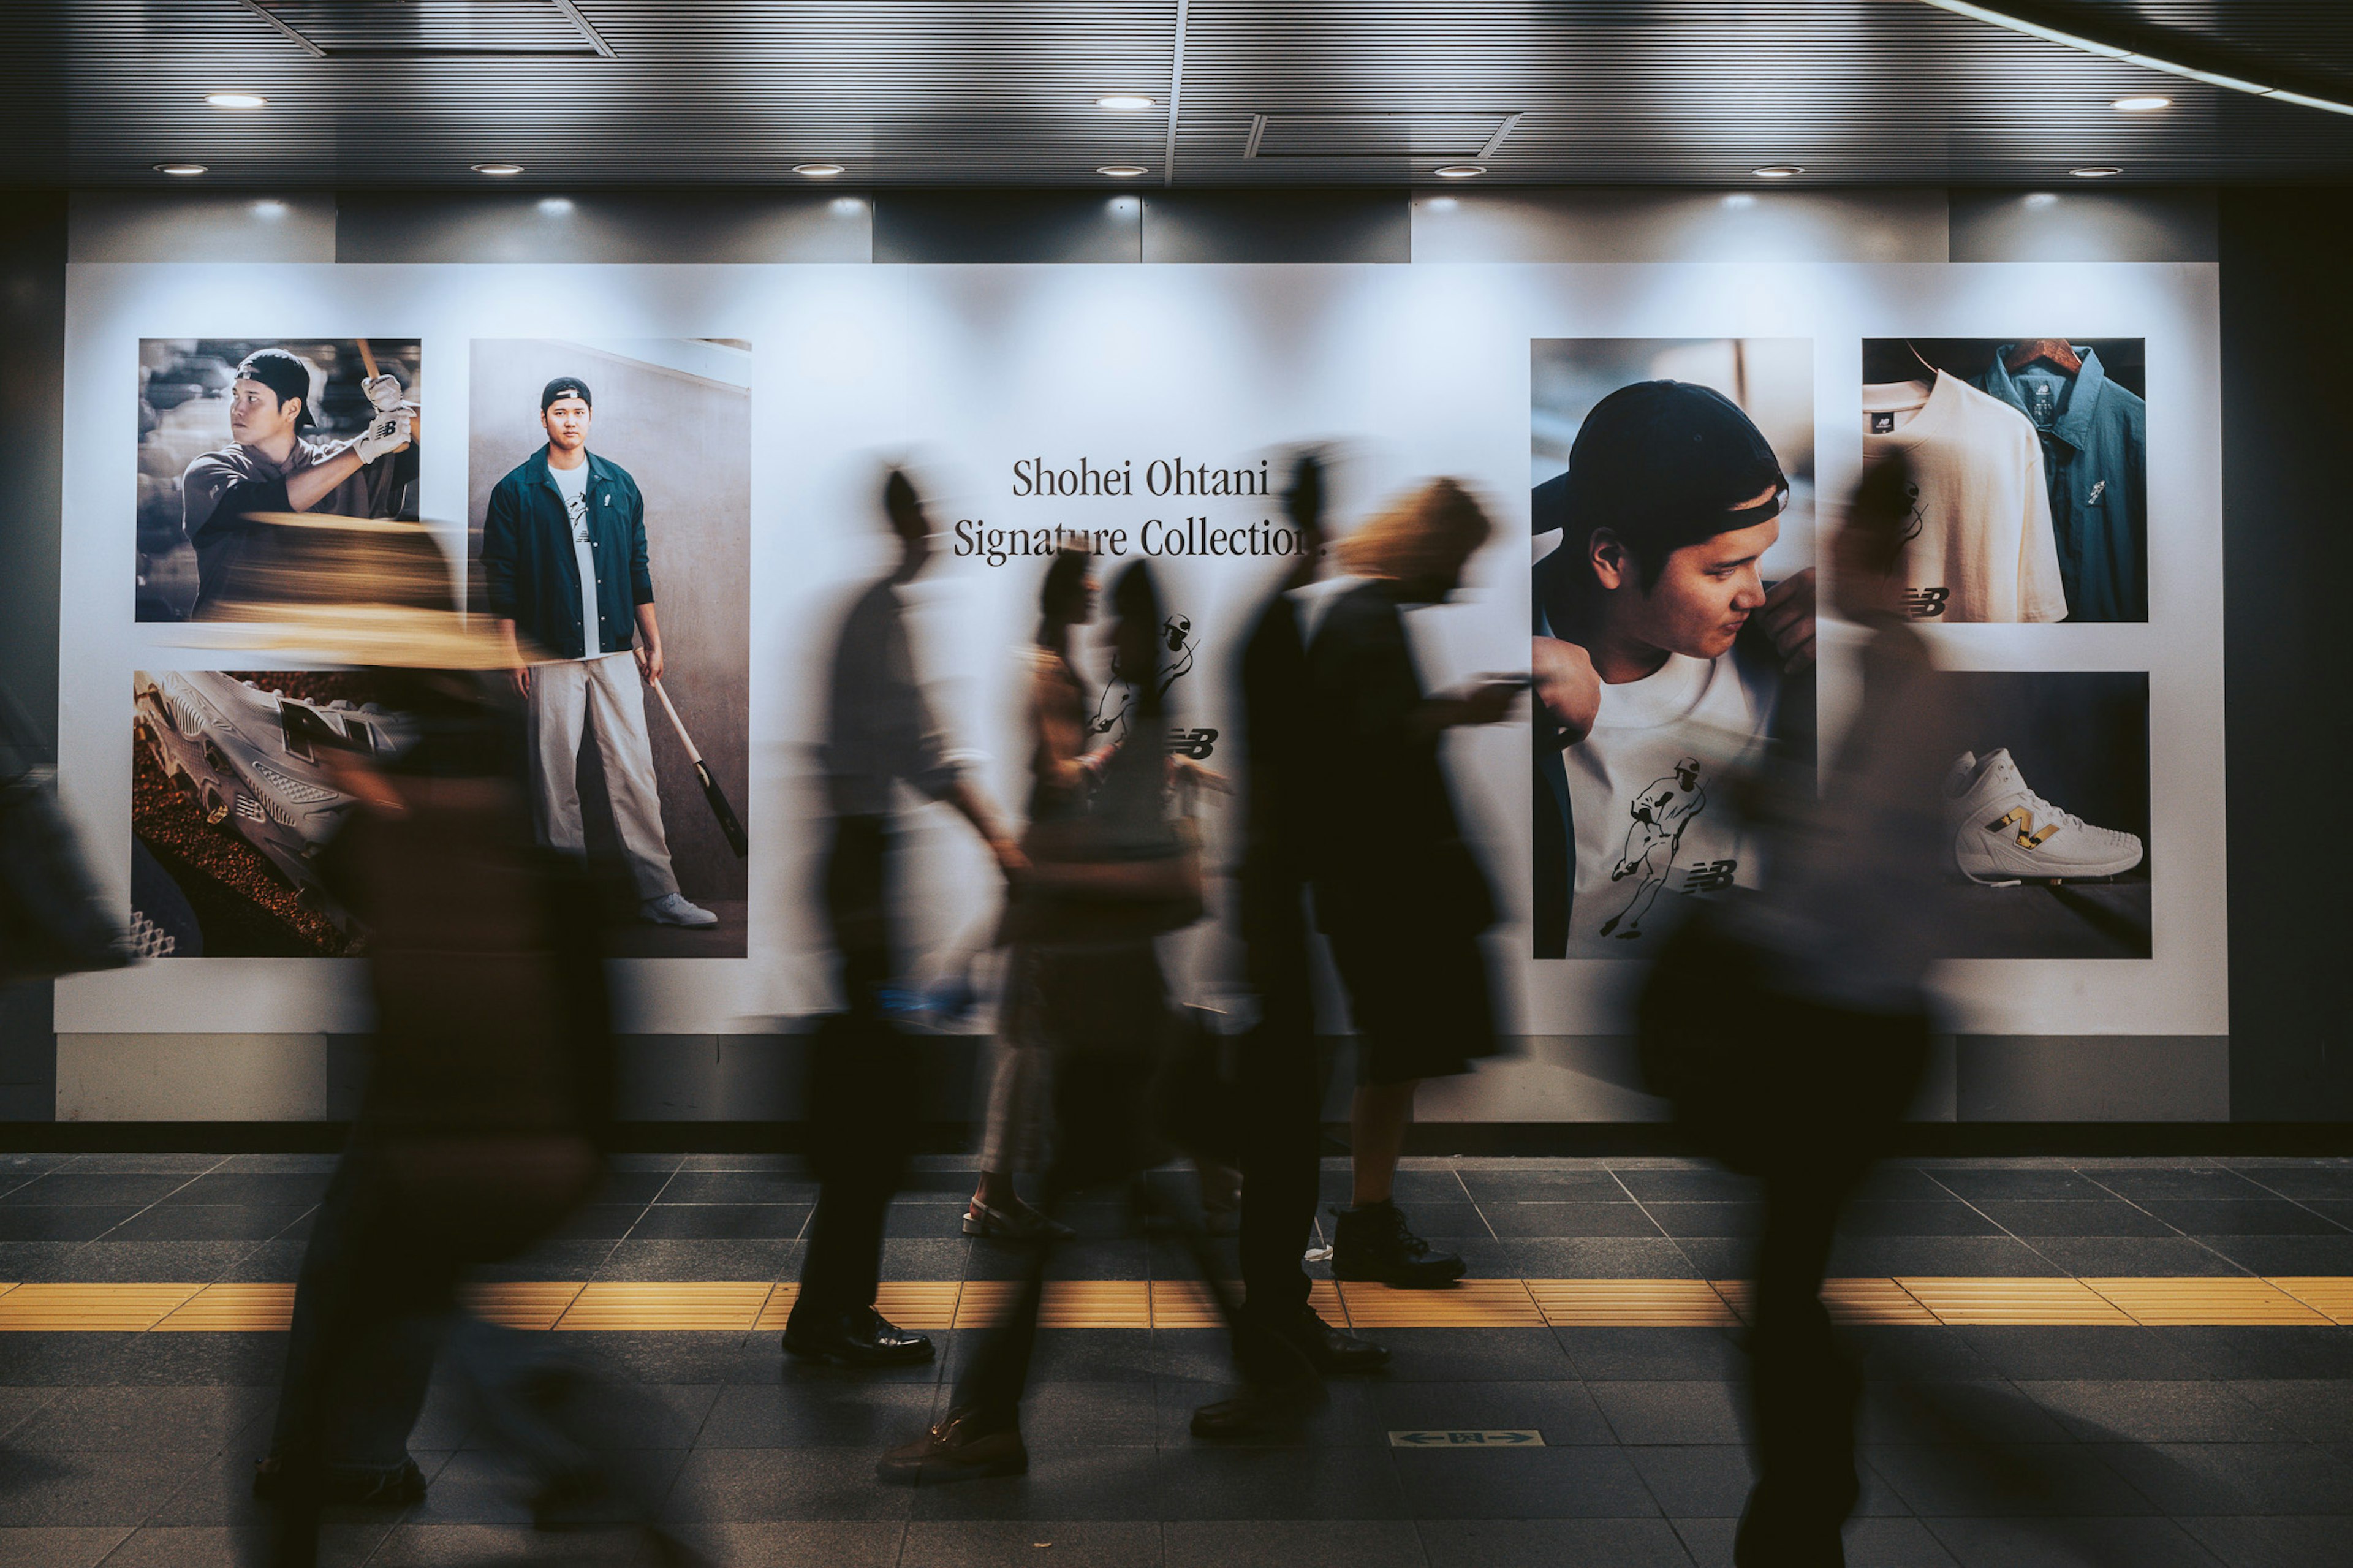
[2058, 350]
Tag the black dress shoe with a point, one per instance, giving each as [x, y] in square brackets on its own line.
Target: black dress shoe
[860, 1337]
[1372, 1242]
[1330, 1350]
[1259, 1410]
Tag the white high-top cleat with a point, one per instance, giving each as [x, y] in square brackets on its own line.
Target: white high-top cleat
[2004, 833]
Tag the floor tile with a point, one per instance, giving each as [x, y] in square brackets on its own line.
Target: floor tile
[1912, 1217]
[173, 1262]
[207, 1221]
[2072, 1216]
[821, 1544]
[1954, 1413]
[715, 1222]
[1524, 1483]
[90, 1487]
[1685, 1412]
[2147, 1411]
[2146, 1183]
[2113, 1542]
[2245, 1216]
[1291, 1544]
[1902, 1256]
[738, 1187]
[1073, 1544]
[2286, 1255]
[1695, 1220]
[726, 1485]
[2059, 1354]
[268, 1188]
[1476, 1355]
[1652, 1355]
[1201, 1482]
[137, 1418]
[58, 1548]
[2316, 1409]
[2005, 1480]
[2132, 1257]
[1488, 1186]
[1566, 1413]
[2275, 1543]
[768, 1260]
[346, 1543]
[1553, 1543]
[1689, 1185]
[2184, 1479]
[72, 1187]
[1709, 1481]
[2220, 1352]
[2017, 1184]
[62, 1222]
[1066, 1481]
[1569, 1219]
[1590, 1258]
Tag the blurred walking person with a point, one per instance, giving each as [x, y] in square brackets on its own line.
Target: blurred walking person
[487, 1092]
[1062, 774]
[1102, 885]
[863, 1095]
[1398, 891]
[1791, 1029]
[1281, 1072]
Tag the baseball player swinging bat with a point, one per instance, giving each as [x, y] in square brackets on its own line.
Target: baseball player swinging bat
[728, 822]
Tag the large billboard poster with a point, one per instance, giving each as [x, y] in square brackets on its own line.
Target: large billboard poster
[2064, 568]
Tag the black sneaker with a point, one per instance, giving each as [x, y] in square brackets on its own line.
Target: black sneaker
[345, 1486]
[1372, 1242]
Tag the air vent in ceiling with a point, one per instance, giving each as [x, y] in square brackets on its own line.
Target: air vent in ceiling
[434, 29]
[1377, 135]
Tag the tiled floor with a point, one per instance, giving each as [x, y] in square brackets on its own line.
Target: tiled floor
[1985, 1443]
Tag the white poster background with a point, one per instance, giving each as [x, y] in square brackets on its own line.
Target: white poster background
[961, 371]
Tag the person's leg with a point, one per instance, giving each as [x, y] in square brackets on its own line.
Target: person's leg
[556, 709]
[1378, 1119]
[616, 716]
[1802, 1393]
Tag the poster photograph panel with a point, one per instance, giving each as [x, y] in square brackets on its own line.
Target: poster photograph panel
[2030, 461]
[1673, 607]
[609, 530]
[232, 430]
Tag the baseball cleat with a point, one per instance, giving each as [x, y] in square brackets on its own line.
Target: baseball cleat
[671, 909]
[2004, 833]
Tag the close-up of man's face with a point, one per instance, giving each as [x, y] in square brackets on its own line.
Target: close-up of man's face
[257, 415]
[567, 420]
[1703, 593]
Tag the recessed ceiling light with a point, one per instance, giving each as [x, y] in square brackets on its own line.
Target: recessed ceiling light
[1777, 171]
[1459, 171]
[818, 171]
[555, 207]
[183, 170]
[2143, 104]
[2095, 171]
[268, 209]
[1123, 101]
[498, 171]
[235, 99]
[1123, 171]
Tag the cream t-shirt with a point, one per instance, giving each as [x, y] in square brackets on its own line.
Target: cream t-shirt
[1981, 546]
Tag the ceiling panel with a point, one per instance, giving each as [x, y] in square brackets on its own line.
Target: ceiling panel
[1667, 92]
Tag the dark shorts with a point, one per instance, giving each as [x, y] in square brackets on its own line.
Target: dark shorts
[1421, 1002]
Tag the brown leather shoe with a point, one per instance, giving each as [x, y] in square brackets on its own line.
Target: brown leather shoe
[956, 1450]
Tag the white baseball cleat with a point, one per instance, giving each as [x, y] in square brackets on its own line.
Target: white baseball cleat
[672, 909]
[2004, 833]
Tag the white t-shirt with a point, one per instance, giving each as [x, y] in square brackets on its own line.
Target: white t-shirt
[572, 485]
[1981, 547]
[1650, 789]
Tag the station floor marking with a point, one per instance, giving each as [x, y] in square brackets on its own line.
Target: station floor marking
[749, 1306]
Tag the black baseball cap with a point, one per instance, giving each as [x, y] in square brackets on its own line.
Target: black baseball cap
[565, 387]
[284, 374]
[1665, 463]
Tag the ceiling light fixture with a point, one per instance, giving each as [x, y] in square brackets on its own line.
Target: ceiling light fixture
[2095, 171]
[2142, 104]
[1460, 170]
[1123, 171]
[555, 207]
[1125, 102]
[498, 171]
[818, 171]
[235, 99]
[2136, 57]
[1779, 172]
[180, 171]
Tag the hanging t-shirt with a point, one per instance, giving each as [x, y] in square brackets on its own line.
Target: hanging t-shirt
[572, 485]
[1651, 792]
[1980, 546]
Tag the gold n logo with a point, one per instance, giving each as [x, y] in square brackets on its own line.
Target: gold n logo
[2029, 836]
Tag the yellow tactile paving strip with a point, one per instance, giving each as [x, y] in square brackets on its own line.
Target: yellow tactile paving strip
[745, 1306]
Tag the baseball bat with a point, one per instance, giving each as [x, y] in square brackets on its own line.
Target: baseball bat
[728, 822]
[367, 358]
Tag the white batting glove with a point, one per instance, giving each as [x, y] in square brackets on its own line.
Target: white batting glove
[387, 434]
[383, 391]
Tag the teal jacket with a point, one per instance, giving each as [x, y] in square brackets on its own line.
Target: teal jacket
[531, 575]
[2094, 438]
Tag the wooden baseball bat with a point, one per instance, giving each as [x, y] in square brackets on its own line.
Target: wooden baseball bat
[729, 824]
[367, 358]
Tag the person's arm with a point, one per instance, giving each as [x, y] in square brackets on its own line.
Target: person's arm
[315, 483]
[973, 808]
[1568, 690]
[1788, 618]
[649, 648]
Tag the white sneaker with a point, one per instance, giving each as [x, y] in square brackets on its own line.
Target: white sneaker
[672, 909]
[2004, 833]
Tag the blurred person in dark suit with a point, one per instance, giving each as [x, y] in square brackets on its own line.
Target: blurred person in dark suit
[1398, 891]
[488, 1089]
[1791, 1028]
[863, 1096]
[1281, 1073]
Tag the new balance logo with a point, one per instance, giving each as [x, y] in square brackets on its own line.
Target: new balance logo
[1710, 875]
[1924, 604]
[2029, 836]
[1195, 744]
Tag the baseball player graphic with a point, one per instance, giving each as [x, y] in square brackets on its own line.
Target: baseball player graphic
[1119, 692]
[1661, 812]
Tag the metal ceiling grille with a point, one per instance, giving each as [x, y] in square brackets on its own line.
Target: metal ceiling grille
[1377, 135]
[433, 29]
[409, 93]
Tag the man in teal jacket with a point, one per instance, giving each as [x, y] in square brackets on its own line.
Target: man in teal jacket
[564, 564]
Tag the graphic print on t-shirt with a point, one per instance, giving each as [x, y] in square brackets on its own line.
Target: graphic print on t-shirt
[1660, 813]
[572, 484]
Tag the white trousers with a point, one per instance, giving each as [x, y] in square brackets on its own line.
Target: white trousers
[608, 696]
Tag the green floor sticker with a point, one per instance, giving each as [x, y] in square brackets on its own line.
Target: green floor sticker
[1491, 1437]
